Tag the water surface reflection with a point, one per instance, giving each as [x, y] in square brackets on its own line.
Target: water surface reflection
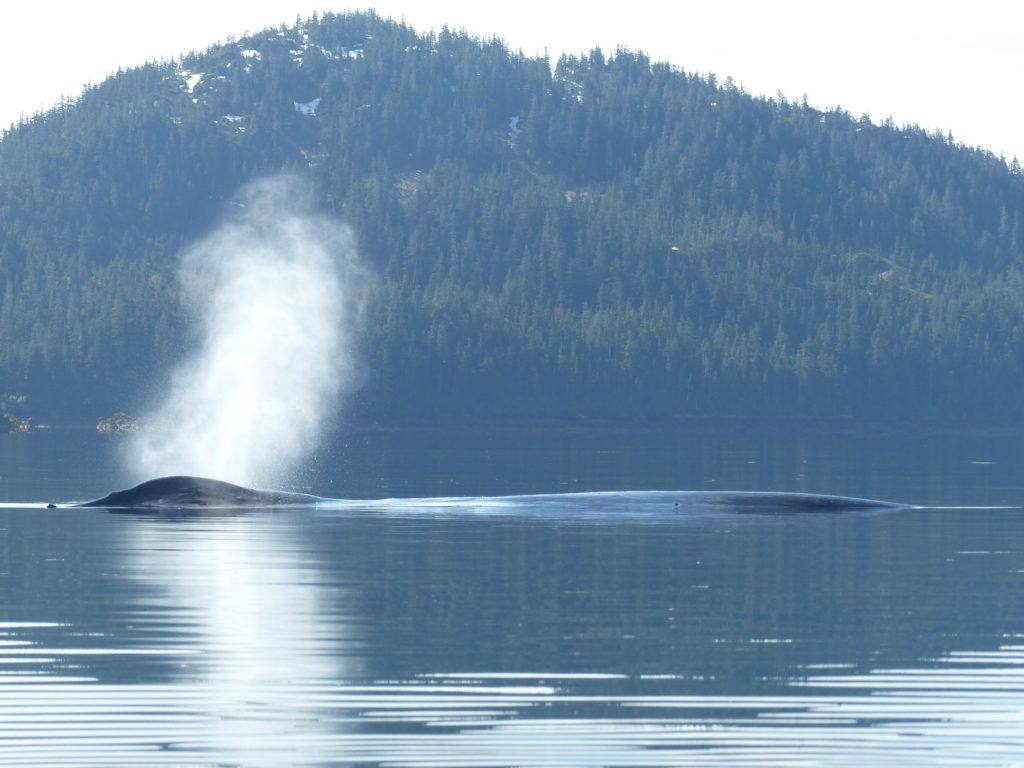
[923, 716]
[458, 633]
[238, 638]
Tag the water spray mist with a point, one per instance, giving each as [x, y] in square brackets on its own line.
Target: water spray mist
[279, 296]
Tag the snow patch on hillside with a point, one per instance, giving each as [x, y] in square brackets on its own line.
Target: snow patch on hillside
[235, 122]
[192, 79]
[513, 129]
[308, 108]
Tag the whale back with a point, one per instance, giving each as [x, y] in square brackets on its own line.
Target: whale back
[183, 491]
[795, 502]
[186, 492]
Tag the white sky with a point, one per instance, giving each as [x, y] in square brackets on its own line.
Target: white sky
[948, 65]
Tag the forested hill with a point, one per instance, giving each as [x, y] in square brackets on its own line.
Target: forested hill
[602, 237]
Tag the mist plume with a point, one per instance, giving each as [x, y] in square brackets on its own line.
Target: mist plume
[278, 295]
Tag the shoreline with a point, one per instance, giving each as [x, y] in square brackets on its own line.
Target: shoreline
[683, 427]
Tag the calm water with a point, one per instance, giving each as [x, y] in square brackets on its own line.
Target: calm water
[483, 634]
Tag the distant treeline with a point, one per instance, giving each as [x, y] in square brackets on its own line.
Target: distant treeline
[600, 237]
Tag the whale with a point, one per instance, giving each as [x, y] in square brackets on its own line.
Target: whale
[188, 492]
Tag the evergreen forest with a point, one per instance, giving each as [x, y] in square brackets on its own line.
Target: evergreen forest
[597, 239]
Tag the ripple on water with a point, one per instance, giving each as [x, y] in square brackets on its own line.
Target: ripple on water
[964, 709]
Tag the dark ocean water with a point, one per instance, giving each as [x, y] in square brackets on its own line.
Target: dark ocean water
[607, 631]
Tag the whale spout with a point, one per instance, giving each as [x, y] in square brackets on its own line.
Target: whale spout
[184, 491]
